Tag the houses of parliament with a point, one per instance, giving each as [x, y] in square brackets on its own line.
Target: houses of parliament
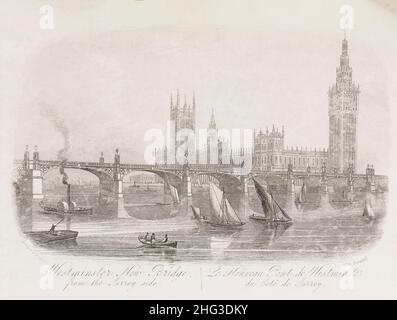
[269, 153]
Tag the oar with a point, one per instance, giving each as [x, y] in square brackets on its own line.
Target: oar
[59, 221]
[138, 247]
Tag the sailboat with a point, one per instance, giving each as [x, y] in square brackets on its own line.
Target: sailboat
[174, 194]
[368, 211]
[196, 213]
[302, 194]
[272, 212]
[222, 213]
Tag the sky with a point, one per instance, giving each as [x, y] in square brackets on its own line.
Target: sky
[106, 71]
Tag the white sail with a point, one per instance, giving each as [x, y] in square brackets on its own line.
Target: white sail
[279, 210]
[174, 194]
[215, 202]
[303, 193]
[230, 212]
[196, 212]
[368, 211]
[222, 211]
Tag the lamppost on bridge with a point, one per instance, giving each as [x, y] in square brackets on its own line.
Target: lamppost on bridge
[290, 179]
[324, 182]
[186, 182]
[118, 179]
[35, 158]
[33, 177]
[26, 157]
[370, 178]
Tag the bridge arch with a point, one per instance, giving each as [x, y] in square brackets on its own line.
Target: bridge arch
[102, 176]
[224, 179]
[313, 182]
[170, 177]
[270, 178]
[103, 183]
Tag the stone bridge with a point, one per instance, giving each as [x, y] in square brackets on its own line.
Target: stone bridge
[30, 173]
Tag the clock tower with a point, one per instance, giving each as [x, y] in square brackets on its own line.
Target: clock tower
[343, 105]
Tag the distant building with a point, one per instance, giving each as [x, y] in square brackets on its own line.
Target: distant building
[214, 143]
[269, 152]
[341, 156]
[145, 178]
[271, 155]
[184, 116]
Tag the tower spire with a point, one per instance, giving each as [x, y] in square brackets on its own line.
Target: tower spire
[343, 98]
[194, 108]
[212, 124]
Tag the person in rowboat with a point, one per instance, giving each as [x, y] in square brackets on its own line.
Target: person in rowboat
[165, 238]
[147, 236]
[153, 237]
[52, 230]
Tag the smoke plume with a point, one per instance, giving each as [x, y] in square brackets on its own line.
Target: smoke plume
[59, 124]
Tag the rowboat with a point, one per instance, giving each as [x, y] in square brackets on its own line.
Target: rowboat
[224, 225]
[259, 217]
[157, 243]
[42, 237]
[52, 235]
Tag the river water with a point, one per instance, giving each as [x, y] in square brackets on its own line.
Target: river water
[320, 229]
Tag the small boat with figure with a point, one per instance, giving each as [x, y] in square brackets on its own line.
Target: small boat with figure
[222, 213]
[52, 235]
[152, 242]
[67, 207]
[197, 214]
[272, 212]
